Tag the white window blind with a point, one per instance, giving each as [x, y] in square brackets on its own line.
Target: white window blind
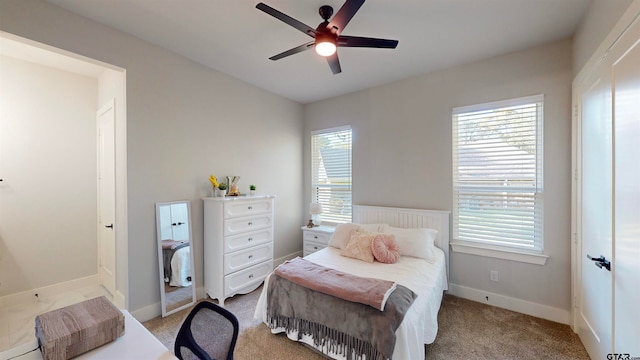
[331, 173]
[497, 174]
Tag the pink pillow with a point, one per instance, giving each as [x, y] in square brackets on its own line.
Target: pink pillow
[385, 249]
[359, 246]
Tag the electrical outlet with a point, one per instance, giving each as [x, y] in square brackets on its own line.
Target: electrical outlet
[493, 275]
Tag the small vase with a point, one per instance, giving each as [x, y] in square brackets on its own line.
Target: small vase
[223, 193]
[252, 192]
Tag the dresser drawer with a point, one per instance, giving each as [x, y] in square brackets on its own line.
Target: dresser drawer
[311, 247]
[244, 224]
[245, 240]
[244, 258]
[246, 277]
[246, 208]
[316, 237]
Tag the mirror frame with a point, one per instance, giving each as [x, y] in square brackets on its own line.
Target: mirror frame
[163, 300]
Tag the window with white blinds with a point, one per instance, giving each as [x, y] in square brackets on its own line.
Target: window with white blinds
[497, 174]
[331, 173]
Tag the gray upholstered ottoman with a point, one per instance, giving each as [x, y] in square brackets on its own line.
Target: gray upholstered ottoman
[70, 331]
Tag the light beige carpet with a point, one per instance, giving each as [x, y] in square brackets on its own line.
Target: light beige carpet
[466, 330]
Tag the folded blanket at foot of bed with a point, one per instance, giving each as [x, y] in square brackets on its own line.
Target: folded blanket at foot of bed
[339, 326]
[368, 291]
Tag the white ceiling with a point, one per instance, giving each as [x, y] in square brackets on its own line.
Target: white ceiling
[234, 37]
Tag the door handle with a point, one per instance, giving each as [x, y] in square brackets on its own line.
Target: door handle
[600, 262]
[110, 226]
[601, 258]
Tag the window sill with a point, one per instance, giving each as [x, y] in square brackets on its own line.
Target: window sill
[484, 250]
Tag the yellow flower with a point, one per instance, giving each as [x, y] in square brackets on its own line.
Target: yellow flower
[213, 181]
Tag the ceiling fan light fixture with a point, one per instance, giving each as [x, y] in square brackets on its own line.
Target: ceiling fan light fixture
[325, 48]
[325, 45]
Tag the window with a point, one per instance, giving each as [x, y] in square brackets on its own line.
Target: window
[331, 173]
[497, 175]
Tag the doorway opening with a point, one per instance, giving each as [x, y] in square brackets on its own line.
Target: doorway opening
[60, 95]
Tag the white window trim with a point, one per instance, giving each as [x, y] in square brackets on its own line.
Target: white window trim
[498, 253]
[487, 250]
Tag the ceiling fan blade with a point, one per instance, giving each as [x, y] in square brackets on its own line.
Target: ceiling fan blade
[287, 19]
[344, 15]
[295, 50]
[358, 41]
[334, 63]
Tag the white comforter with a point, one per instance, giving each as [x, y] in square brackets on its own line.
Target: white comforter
[427, 280]
[181, 267]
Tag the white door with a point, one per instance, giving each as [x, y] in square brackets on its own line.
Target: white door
[175, 224]
[608, 317]
[594, 303]
[106, 197]
[626, 84]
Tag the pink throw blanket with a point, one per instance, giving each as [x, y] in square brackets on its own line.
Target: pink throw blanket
[368, 291]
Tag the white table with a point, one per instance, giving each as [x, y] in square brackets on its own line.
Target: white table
[136, 343]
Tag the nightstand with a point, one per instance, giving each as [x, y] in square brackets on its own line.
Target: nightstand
[316, 238]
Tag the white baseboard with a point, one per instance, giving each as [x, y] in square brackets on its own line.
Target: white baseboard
[48, 291]
[518, 305]
[279, 261]
[154, 310]
[148, 312]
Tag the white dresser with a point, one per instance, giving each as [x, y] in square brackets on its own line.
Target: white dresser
[238, 244]
[316, 238]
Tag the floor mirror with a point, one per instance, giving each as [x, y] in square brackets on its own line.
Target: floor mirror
[175, 256]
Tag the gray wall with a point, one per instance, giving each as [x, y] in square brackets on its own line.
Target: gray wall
[402, 155]
[184, 121]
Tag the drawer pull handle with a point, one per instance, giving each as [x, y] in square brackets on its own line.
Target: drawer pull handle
[315, 237]
[250, 256]
[250, 276]
[249, 239]
[250, 223]
[315, 248]
[250, 207]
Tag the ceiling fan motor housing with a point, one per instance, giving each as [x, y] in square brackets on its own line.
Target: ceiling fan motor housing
[325, 12]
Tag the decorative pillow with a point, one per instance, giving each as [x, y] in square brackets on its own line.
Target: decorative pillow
[359, 246]
[415, 242]
[385, 249]
[341, 235]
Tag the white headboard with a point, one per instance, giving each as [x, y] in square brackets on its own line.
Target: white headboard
[408, 218]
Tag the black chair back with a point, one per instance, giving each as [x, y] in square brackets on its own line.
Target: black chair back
[209, 332]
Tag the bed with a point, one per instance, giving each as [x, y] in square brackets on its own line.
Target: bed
[176, 263]
[426, 278]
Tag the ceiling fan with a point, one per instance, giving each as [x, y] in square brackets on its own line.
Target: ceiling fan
[327, 36]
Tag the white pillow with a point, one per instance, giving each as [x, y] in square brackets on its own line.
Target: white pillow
[415, 242]
[373, 227]
[342, 233]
